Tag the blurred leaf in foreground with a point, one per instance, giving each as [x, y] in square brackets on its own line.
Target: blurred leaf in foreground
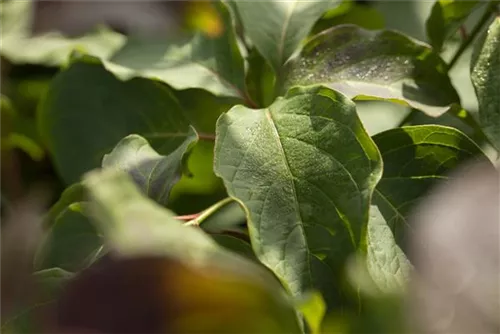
[455, 253]
[163, 277]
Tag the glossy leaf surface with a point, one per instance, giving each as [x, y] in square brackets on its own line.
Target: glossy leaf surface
[375, 65]
[485, 75]
[278, 27]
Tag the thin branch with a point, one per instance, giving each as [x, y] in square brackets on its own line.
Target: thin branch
[200, 217]
[187, 217]
[206, 136]
[477, 29]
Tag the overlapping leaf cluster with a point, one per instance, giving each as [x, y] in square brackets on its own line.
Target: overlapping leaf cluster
[267, 113]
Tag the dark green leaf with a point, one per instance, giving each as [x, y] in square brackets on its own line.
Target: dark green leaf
[305, 169]
[211, 63]
[350, 12]
[415, 159]
[87, 111]
[72, 242]
[375, 65]
[260, 79]
[485, 75]
[51, 49]
[235, 244]
[445, 19]
[48, 285]
[278, 27]
[386, 263]
[155, 174]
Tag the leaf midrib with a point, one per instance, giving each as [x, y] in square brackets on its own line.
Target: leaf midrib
[269, 117]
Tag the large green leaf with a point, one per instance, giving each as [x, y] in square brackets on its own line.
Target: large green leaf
[155, 174]
[211, 63]
[135, 227]
[48, 285]
[87, 111]
[386, 263]
[375, 64]
[72, 243]
[445, 18]
[278, 27]
[485, 75]
[415, 159]
[51, 49]
[305, 169]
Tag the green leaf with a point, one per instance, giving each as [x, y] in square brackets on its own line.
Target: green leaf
[278, 27]
[72, 242]
[155, 174]
[235, 244]
[350, 12]
[87, 111]
[48, 286]
[313, 307]
[305, 169]
[485, 76]
[17, 131]
[72, 194]
[51, 49]
[375, 65]
[445, 19]
[415, 159]
[213, 64]
[260, 79]
[135, 227]
[386, 263]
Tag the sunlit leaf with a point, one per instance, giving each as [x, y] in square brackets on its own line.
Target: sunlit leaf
[278, 27]
[375, 65]
[305, 169]
[485, 75]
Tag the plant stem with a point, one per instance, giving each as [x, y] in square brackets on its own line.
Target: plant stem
[490, 10]
[187, 217]
[206, 136]
[477, 29]
[199, 218]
